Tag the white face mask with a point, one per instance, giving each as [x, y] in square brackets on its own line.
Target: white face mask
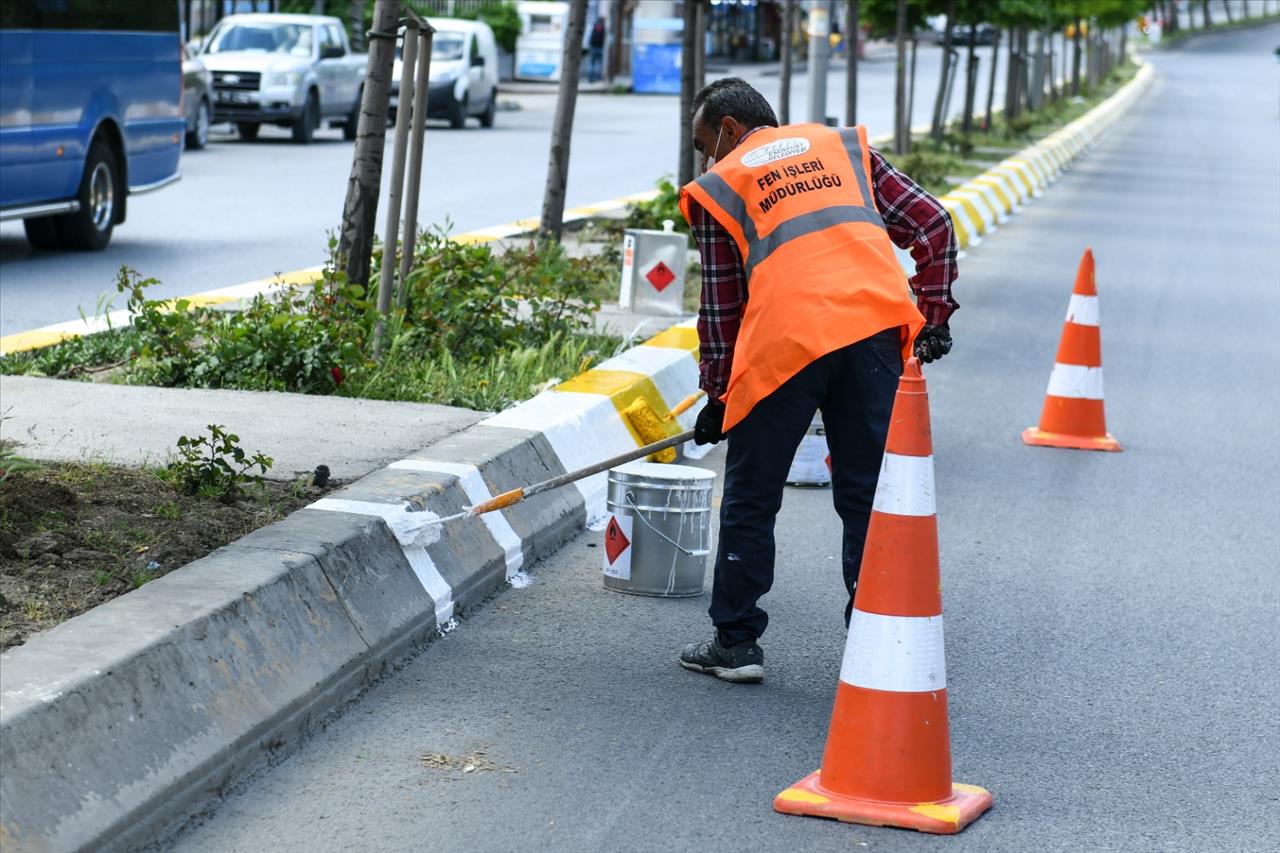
[709, 160]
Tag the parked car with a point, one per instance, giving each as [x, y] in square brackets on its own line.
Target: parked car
[985, 34]
[294, 71]
[464, 72]
[90, 113]
[197, 94]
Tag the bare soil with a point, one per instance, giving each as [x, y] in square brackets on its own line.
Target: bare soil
[75, 536]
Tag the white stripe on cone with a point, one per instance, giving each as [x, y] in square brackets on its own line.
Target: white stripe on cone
[899, 654]
[1074, 380]
[1083, 310]
[905, 486]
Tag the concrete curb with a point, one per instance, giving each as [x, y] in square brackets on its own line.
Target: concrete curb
[118, 725]
[980, 204]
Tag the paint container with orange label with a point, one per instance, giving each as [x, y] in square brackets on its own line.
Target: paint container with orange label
[659, 531]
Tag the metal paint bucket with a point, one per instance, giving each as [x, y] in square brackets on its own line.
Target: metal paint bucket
[810, 466]
[659, 530]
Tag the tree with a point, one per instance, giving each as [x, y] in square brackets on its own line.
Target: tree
[356, 27]
[853, 29]
[688, 82]
[947, 68]
[552, 223]
[900, 18]
[902, 117]
[784, 56]
[360, 210]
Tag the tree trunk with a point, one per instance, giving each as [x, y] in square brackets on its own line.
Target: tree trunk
[562, 127]
[902, 121]
[947, 66]
[360, 210]
[1173, 17]
[1208, 20]
[970, 83]
[186, 20]
[1075, 59]
[357, 25]
[700, 47]
[1226, 6]
[784, 56]
[991, 83]
[1011, 76]
[852, 31]
[614, 63]
[688, 84]
[911, 91]
[1035, 94]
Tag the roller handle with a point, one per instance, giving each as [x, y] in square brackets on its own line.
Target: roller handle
[514, 496]
[685, 405]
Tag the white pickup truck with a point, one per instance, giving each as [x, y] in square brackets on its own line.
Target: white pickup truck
[295, 71]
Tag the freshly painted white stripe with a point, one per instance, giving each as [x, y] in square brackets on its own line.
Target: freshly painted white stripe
[957, 211]
[411, 527]
[898, 654]
[905, 486]
[414, 547]
[1020, 189]
[1011, 187]
[432, 581]
[992, 198]
[1083, 310]
[581, 428]
[986, 209]
[1073, 380]
[477, 491]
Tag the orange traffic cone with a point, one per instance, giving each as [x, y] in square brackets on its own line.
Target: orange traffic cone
[1073, 415]
[888, 756]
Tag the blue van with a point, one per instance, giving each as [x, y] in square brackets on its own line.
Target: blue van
[90, 113]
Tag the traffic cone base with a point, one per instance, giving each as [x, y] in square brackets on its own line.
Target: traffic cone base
[1039, 438]
[946, 817]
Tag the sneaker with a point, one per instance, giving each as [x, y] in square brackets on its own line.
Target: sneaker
[743, 663]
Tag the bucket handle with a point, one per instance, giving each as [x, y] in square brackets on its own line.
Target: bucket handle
[631, 499]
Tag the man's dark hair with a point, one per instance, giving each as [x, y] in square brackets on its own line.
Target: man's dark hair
[735, 97]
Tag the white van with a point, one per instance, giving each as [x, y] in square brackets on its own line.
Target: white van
[464, 72]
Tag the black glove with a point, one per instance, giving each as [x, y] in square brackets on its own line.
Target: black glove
[933, 342]
[709, 427]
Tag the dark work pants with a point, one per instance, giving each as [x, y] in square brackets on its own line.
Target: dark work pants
[854, 388]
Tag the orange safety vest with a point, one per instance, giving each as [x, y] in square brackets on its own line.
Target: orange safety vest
[821, 271]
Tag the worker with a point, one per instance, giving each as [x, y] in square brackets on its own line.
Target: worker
[804, 308]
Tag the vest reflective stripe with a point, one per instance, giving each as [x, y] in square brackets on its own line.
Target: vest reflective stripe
[724, 195]
[807, 223]
[821, 270]
[854, 146]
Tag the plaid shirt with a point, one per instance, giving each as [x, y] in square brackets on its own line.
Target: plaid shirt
[915, 220]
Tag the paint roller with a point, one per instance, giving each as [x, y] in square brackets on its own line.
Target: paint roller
[650, 428]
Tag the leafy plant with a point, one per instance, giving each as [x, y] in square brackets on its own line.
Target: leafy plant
[666, 205]
[468, 312]
[215, 465]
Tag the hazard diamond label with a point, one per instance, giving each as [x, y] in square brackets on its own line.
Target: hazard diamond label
[660, 276]
[617, 547]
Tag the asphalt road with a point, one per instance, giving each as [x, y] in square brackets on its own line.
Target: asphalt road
[245, 211]
[1111, 618]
